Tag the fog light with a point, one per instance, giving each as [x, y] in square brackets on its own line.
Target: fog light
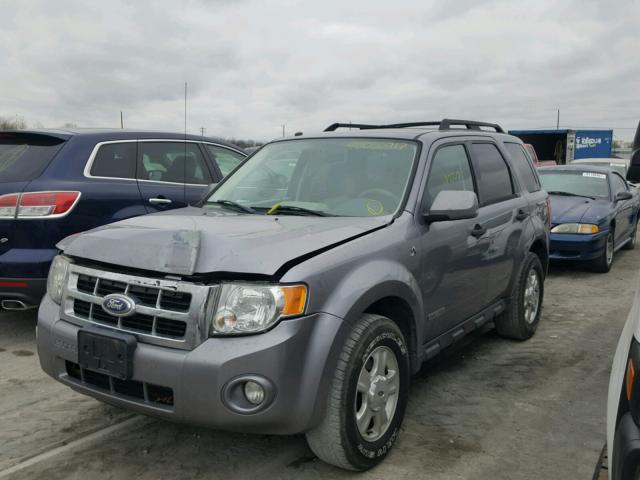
[254, 392]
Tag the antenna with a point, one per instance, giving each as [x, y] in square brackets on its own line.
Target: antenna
[184, 158]
[121, 120]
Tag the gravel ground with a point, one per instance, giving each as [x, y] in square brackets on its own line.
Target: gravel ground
[486, 409]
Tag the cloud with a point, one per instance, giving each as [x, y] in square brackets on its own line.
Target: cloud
[253, 66]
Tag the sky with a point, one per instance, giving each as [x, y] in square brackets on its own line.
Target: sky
[253, 66]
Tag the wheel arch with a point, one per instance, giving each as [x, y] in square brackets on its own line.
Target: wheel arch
[399, 312]
[539, 247]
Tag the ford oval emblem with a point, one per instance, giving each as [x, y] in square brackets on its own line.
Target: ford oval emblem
[118, 305]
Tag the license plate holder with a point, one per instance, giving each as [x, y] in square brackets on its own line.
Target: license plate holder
[107, 352]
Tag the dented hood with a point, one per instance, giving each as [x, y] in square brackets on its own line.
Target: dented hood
[194, 240]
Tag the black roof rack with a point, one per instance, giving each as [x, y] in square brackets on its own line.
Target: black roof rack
[360, 126]
[444, 124]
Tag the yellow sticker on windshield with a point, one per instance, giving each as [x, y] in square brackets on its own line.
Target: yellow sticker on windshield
[374, 207]
[378, 145]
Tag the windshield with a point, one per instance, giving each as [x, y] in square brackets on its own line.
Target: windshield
[588, 184]
[334, 176]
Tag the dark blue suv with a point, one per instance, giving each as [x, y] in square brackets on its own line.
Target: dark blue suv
[55, 183]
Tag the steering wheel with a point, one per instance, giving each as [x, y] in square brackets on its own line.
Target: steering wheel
[380, 192]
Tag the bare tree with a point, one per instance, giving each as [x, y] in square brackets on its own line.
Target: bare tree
[244, 143]
[12, 123]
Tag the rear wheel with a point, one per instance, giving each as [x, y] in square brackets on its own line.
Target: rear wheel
[367, 397]
[603, 263]
[521, 319]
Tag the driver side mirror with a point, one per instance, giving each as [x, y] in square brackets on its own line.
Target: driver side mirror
[624, 195]
[452, 205]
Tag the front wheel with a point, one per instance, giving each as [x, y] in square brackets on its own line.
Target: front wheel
[367, 397]
[603, 263]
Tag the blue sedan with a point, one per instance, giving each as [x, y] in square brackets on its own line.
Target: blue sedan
[594, 213]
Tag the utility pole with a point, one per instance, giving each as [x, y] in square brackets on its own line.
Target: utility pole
[121, 120]
[283, 130]
[558, 120]
[202, 130]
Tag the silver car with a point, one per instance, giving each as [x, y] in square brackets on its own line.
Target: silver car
[304, 291]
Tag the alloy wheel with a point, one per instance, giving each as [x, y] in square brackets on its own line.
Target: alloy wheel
[377, 393]
[531, 301]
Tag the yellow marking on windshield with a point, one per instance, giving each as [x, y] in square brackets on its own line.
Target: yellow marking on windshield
[453, 177]
[374, 207]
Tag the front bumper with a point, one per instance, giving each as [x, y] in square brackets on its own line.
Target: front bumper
[298, 356]
[625, 464]
[569, 246]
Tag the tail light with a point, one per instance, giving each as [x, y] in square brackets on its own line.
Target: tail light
[37, 204]
[631, 384]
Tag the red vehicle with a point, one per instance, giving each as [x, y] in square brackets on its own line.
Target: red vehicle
[538, 163]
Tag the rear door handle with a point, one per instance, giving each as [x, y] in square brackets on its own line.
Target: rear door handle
[478, 230]
[521, 215]
[159, 201]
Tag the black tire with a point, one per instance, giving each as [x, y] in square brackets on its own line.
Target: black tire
[631, 244]
[518, 322]
[603, 263]
[337, 439]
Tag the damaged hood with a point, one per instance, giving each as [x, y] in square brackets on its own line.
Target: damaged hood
[577, 209]
[194, 240]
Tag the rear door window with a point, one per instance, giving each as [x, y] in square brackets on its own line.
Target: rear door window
[522, 166]
[115, 160]
[226, 159]
[173, 162]
[24, 157]
[492, 173]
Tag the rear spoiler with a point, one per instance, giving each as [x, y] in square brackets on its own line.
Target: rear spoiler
[35, 134]
[633, 174]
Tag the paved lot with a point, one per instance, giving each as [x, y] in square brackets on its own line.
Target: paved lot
[490, 409]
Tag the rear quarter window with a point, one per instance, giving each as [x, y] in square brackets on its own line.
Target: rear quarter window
[522, 166]
[226, 159]
[24, 157]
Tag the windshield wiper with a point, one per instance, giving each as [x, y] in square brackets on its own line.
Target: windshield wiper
[299, 210]
[569, 194]
[236, 205]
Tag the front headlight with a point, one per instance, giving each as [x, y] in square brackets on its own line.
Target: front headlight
[251, 308]
[584, 228]
[57, 277]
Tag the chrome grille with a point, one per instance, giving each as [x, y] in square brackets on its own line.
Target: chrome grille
[168, 312]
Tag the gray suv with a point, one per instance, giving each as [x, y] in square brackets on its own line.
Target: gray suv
[308, 286]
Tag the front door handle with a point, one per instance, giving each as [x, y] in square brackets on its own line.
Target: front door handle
[478, 230]
[521, 215]
[159, 201]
